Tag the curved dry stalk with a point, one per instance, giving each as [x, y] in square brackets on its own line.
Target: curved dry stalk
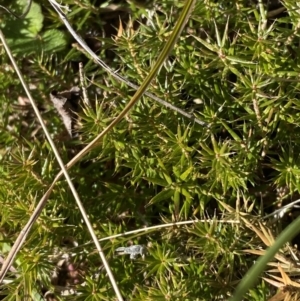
[146, 230]
[152, 228]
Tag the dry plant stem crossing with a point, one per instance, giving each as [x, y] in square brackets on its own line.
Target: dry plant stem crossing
[18, 243]
[168, 225]
[112, 72]
[20, 16]
[163, 55]
[147, 230]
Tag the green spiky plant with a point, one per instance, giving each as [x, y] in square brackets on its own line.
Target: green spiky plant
[235, 66]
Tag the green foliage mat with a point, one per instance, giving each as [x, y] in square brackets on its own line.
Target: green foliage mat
[235, 67]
